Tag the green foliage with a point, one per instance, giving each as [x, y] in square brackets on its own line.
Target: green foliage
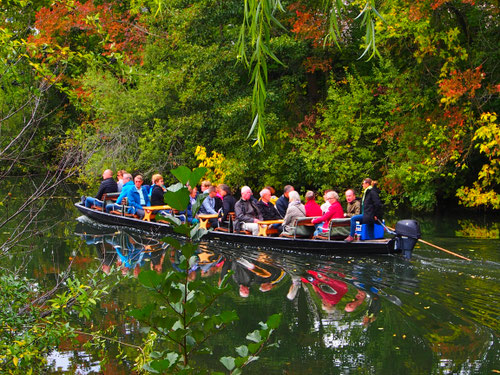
[31, 329]
[180, 317]
[485, 190]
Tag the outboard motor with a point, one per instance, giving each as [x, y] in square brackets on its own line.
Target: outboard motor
[407, 235]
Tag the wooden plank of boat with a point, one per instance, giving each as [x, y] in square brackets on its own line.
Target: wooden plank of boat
[384, 246]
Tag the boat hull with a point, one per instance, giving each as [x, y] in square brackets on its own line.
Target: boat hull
[283, 244]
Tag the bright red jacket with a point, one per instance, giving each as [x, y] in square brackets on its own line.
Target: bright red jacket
[313, 209]
[334, 212]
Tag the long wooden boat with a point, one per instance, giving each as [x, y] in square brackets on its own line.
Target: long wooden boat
[382, 246]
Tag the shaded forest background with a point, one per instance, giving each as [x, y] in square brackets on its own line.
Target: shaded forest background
[147, 86]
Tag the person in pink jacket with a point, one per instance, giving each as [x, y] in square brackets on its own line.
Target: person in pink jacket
[335, 211]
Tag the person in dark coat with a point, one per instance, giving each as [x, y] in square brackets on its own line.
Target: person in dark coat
[282, 202]
[108, 185]
[247, 213]
[228, 202]
[371, 209]
[158, 191]
[266, 208]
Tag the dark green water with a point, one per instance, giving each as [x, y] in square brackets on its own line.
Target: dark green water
[436, 314]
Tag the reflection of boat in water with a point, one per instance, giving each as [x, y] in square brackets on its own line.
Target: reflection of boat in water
[380, 246]
[326, 286]
[125, 250]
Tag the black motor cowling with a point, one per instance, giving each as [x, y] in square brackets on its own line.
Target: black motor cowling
[407, 235]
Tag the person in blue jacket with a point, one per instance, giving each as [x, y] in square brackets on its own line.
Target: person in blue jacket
[136, 194]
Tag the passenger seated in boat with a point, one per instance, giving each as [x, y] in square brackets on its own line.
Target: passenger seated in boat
[136, 194]
[119, 176]
[267, 209]
[273, 198]
[157, 193]
[108, 185]
[211, 205]
[312, 208]
[353, 203]
[204, 186]
[247, 213]
[282, 202]
[228, 202]
[335, 211]
[295, 210]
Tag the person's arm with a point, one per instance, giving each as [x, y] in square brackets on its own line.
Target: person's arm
[207, 207]
[241, 214]
[377, 205]
[132, 200]
[100, 192]
[146, 196]
[226, 206]
[321, 218]
[121, 196]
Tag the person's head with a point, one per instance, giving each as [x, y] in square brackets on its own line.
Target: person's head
[246, 193]
[157, 179]
[224, 190]
[211, 192]
[360, 297]
[293, 196]
[138, 180]
[366, 182]
[265, 194]
[244, 291]
[325, 193]
[193, 192]
[332, 196]
[108, 173]
[127, 177]
[271, 189]
[287, 189]
[309, 195]
[350, 195]
[120, 173]
[205, 185]
[265, 287]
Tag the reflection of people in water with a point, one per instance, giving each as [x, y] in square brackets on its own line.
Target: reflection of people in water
[105, 251]
[130, 255]
[329, 290]
[358, 300]
[249, 271]
[157, 257]
[128, 252]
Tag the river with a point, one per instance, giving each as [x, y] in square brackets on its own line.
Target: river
[434, 314]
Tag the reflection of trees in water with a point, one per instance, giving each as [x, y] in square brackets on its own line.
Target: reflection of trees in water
[470, 229]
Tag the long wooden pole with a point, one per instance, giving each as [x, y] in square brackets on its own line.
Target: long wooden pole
[446, 251]
[440, 248]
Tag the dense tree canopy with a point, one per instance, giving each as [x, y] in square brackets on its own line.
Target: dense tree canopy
[142, 85]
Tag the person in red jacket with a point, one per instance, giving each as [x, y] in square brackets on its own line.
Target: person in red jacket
[335, 211]
[312, 208]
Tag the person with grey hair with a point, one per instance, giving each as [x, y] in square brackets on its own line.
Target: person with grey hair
[266, 208]
[295, 210]
[312, 208]
[282, 202]
[335, 211]
[247, 213]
